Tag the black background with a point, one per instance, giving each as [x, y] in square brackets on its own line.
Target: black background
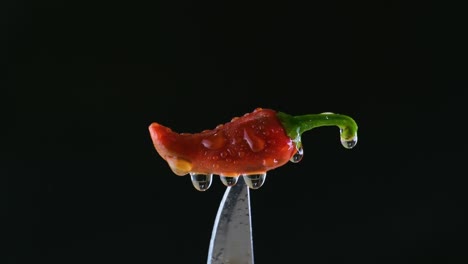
[82, 183]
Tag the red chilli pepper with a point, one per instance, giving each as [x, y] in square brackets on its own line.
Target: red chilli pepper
[246, 146]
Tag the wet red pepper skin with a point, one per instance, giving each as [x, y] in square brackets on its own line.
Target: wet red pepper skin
[252, 144]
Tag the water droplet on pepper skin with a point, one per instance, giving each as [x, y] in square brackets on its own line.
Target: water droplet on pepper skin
[231, 152]
[179, 166]
[215, 141]
[269, 162]
[255, 143]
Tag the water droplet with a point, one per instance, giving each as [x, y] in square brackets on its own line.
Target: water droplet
[269, 162]
[298, 155]
[229, 181]
[223, 154]
[255, 181]
[255, 143]
[215, 141]
[231, 152]
[201, 182]
[349, 143]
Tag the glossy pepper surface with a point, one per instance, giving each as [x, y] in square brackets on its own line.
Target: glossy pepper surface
[252, 144]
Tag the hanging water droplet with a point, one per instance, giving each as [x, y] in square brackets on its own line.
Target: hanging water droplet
[350, 142]
[298, 155]
[229, 181]
[201, 182]
[255, 181]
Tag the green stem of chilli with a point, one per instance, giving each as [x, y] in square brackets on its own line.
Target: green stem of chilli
[296, 125]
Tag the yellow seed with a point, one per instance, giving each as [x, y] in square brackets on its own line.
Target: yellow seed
[179, 166]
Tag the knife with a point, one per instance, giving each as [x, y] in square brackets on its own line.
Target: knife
[231, 238]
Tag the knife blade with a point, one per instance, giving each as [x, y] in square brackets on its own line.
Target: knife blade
[231, 239]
